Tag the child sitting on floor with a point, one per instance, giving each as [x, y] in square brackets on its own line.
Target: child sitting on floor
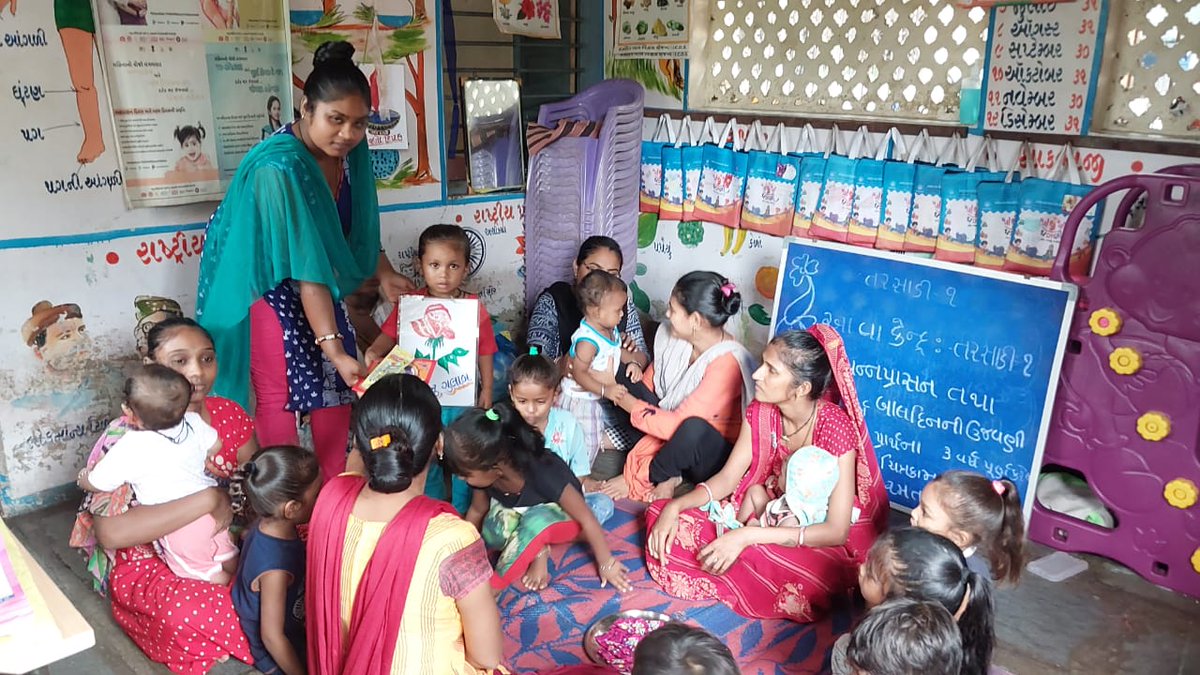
[981, 516]
[280, 485]
[914, 563]
[533, 386]
[904, 636]
[162, 457]
[525, 497]
[596, 354]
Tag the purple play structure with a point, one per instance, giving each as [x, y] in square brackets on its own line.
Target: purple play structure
[1127, 414]
[579, 187]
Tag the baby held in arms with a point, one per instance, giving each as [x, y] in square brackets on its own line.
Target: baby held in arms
[804, 492]
[163, 457]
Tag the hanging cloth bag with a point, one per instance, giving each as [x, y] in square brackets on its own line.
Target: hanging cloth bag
[1045, 205]
[832, 220]
[812, 178]
[958, 234]
[998, 205]
[898, 194]
[867, 213]
[652, 165]
[670, 205]
[927, 197]
[723, 175]
[771, 179]
[693, 164]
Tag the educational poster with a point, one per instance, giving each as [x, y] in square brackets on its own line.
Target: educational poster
[1041, 64]
[662, 78]
[58, 170]
[531, 18]
[388, 36]
[193, 87]
[446, 332]
[652, 29]
[69, 339]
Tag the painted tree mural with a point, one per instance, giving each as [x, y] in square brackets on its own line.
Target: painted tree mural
[402, 39]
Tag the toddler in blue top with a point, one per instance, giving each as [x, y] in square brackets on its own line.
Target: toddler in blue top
[280, 485]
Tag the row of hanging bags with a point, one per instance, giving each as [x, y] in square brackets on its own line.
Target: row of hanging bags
[812, 177]
[832, 220]
[1044, 207]
[999, 202]
[723, 175]
[671, 195]
[650, 197]
[867, 212]
[771, 181]
[898, 182]
[958, 232]
[926, 219]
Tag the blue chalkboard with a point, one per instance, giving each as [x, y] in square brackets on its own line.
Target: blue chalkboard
[956, 367]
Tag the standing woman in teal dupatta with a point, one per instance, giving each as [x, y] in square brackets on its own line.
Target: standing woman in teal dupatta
[297, 232]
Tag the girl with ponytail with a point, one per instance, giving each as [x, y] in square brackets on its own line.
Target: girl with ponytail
[279, 485]
[526, 497]
[982, 516]
[915, 563]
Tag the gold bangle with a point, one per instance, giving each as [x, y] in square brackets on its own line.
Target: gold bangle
[327, 338]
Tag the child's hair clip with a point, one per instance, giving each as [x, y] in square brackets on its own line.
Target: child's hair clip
[380, 442]
[492, 415]
[533, 351]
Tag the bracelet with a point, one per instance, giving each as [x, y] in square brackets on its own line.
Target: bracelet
[327, 338]
[708, 490]
[800, 537]
[612, 562]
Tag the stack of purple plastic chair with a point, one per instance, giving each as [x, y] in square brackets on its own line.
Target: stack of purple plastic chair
[580, 187]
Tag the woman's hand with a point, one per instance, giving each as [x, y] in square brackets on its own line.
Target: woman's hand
[348, 367]
[392, 285]
[662, 535]
[718, 556]
[614, 574]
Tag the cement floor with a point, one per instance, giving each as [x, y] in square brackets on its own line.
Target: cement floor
[1106, 620]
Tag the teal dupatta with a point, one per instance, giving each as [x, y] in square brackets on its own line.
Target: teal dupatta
[279, 221]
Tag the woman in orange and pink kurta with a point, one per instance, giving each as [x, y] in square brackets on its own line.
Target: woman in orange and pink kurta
[689, 403]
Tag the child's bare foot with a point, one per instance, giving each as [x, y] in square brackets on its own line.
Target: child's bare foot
[665, 489]
[592, 485]
[615, 487]
[537, 576]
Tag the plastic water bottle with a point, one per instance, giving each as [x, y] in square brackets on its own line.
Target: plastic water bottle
[970, 98]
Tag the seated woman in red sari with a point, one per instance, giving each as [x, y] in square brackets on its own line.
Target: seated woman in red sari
[696, 548]
[397, 582]
[185, 624]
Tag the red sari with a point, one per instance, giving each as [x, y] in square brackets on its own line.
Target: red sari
[785, 582]
[368, 647]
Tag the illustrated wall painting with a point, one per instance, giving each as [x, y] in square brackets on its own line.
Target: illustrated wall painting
[59, 174]
[663, 78]
[385, 34]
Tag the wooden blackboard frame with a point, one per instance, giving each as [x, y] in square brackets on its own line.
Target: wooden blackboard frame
[1071, 296]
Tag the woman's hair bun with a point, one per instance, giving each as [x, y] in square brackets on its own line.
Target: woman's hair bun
[334, 52]
[392, 466]
[731, 303]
